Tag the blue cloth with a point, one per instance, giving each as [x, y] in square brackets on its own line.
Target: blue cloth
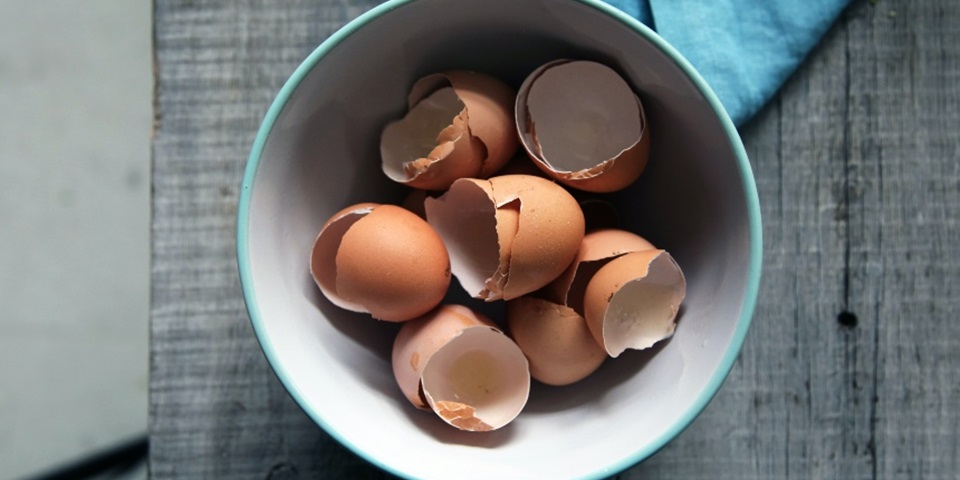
[744, 49]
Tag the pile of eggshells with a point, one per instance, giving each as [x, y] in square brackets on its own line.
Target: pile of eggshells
[574, 298]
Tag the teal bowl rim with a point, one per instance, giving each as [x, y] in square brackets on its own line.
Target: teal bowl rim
[746, 176]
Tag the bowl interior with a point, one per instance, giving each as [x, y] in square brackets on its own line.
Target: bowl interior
[318, 151]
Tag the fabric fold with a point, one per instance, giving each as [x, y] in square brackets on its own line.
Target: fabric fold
[744, 49]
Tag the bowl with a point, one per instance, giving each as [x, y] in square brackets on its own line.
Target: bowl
[317, 152]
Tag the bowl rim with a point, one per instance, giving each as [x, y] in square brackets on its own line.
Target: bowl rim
[747, 182]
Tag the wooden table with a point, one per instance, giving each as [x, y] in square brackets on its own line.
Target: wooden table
[851, 369]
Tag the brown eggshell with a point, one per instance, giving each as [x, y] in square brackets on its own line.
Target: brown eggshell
[582, 124]
[478, 381]
[555, 339]
[431, 146]
[323, 256]
[455, 362]
[633, 300]
[460, 124]
[596, 248]
[385, 261]
[551, 228]
[509, 235]
[421, 337]
[489, 103]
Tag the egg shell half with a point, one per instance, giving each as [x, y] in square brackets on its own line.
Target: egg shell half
[459, 124]
[556, 340]
[421, 337]
[509, 235]
[457, 363]
[381, 259]
[580, 122]
[632, 301]
[596, 248]
[489, 104]
[431, 146]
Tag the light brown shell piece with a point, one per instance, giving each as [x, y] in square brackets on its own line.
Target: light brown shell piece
[632, 302]
[555, 339]
[421, 337]
[596, 248]
[431, 146]
[560, 129]
[382, 260]
[509, 235]
[457, 363]
[489, 102]
[478, 381]
[459, 125]
[323, 256]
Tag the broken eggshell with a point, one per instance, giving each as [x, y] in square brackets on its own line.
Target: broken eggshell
[508, 235]
[595, 250]
[458, 364]
[559, 346]
[632, 302]
[459, 125]
[382, 260]
[580, 122]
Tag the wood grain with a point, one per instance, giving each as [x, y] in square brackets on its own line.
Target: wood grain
[216, 409]
[851, 368]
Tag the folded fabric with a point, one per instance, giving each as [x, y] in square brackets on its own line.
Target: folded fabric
[744, 49]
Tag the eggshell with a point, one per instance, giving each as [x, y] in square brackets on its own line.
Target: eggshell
[381, 259]
[479, 381]
[559, 346]
[582, 124]
[431, 146]
[633, 300]
[595, 250]
[456, 363]
[418, 339]
[489, 103]
[509, 235]
[323, 256]
[459, 124]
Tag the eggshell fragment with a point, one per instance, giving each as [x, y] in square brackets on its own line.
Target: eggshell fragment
[382, 260]
[595, 250]
[582, 124]
[459, 125]
[455, 362]
[478, 381]
[431, 146]
[489, 103]
[633, 300]
[559, 346]
[507, 236]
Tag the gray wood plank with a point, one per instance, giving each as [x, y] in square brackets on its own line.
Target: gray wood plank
[216, 409]
[852, 366]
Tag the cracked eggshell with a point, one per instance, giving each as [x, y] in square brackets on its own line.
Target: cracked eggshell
[456, 363]
[595, 250]
[509, 235]
[559, 346]
[382, 260]
[632, 301]
[582, 124]
[460, 124]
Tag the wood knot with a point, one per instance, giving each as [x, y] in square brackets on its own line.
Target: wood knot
[847, 319]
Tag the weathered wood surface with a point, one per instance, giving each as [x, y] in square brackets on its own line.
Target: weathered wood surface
[852, 366]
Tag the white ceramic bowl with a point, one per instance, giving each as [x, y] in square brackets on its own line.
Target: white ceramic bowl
[317, 151]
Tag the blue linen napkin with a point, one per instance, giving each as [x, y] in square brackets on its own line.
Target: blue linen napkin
[744, 49]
